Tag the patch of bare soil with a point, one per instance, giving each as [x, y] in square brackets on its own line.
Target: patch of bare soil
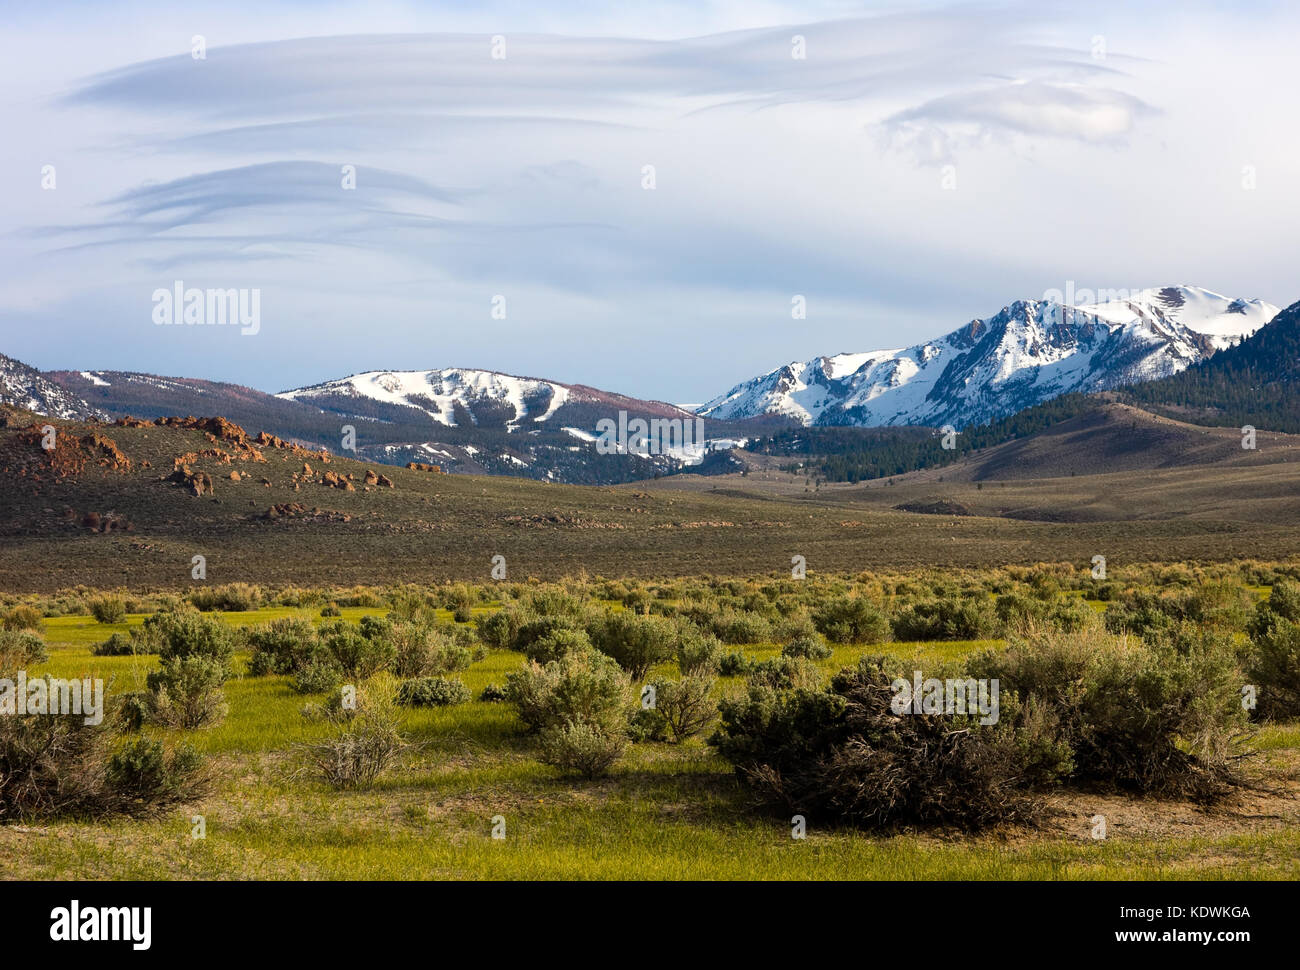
[1271, 802]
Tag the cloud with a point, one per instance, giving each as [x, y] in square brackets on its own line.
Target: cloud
[775, 175]
[935, 130]
[536, 139]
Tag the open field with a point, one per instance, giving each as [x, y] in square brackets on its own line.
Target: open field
[429, 528]
[279, 516]
[664, 811]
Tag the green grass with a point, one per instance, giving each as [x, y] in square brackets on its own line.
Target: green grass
[666, 812]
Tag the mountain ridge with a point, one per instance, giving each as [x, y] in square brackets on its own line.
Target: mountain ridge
[1028, 352]
[465, 420]
[23, 386]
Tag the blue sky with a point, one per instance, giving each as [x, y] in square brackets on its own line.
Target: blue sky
[922, 165]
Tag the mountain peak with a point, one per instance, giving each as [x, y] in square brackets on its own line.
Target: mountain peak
[456, 396]
[1026, 353]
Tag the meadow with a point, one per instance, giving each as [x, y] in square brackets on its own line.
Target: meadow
[663, 811]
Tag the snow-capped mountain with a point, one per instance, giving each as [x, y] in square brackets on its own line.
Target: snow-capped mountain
[23, 386]
[483, 421]
[1026, 353]
[461, 397]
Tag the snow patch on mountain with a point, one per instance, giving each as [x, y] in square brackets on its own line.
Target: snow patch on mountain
[24, 387]
[438, 392]
[1028, 352]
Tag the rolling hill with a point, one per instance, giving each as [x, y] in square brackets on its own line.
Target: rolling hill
[131, 503]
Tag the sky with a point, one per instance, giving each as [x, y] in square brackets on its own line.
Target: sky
[626, 195]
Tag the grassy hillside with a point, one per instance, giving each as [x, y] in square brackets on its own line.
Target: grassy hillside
[430, 527]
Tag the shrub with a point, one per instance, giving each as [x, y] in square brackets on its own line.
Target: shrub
[732, 626]
[425, 650]
[534, 627]
[1015, 610]
[684, 707]
[784, 673]
[581, 748]
[462, 614]
[368, 740]
[734, 663]
[330, 610]
[117, 645]
[1070, 615]
[24, 618]
[354, 652]
[702, 613]
[184, 633]
[108, 609]
[1274, 668]
[498, 629]
[637, 601]
[295, 597]
[555, 601]
[807, 647]
[518, 625]
[1283, 603]
[53, 767]
[409, 605]
[283, 646]
[646, 724]
[795, 626]
[1159, 717]
[232, 597]
[576, 705]
[492, 694]
[636, 642]
[459, 596]
[1022, 614]
[1221, 605]
[318, 676]
[1139, 612]
[580, 686]
[432, 692]
[143, 774]
[852, 620]
[556, 644]
[185, 692]
[697, 652]
[1284, 600]
[20, 649]
[194, 653]
[133, 709]
[946, 619]
[842, 754]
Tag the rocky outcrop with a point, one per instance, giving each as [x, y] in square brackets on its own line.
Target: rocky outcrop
[195, 482]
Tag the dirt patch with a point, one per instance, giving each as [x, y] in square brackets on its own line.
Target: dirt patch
[1271, 804]
[935, 507]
